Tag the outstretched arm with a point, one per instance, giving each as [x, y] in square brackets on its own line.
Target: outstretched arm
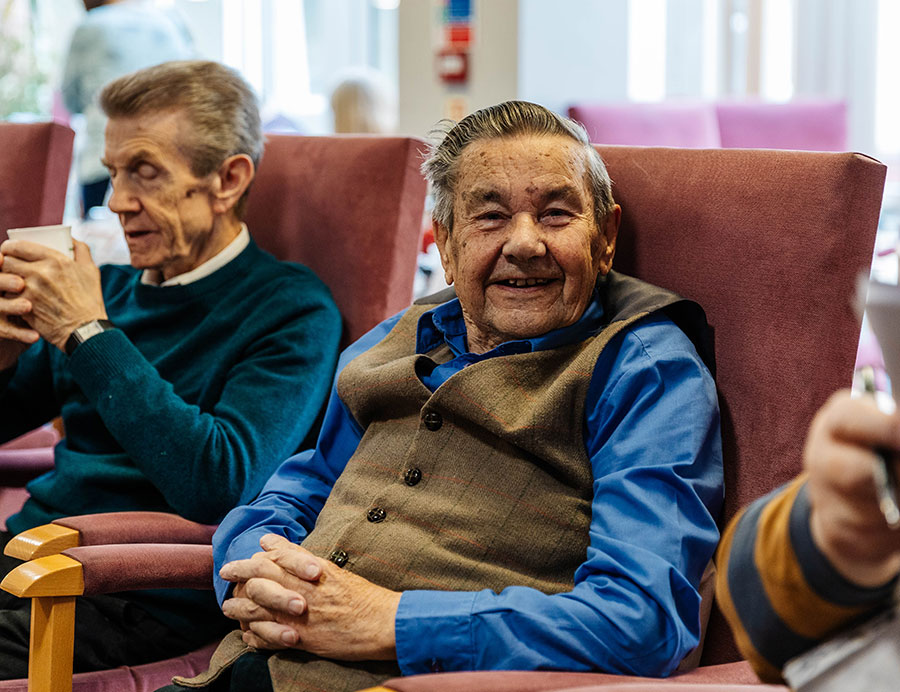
[816, 554]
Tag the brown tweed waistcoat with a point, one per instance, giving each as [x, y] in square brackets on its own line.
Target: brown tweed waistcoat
[484, 483]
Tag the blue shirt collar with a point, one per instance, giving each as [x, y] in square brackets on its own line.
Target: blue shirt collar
[445, 324]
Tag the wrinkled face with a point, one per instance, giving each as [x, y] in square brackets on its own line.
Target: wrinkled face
[525, 249]
[165, 210]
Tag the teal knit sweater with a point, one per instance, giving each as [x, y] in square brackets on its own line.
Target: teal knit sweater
[190, 404]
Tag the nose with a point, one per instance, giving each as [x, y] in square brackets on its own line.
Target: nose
[121, 201]
[525, 239]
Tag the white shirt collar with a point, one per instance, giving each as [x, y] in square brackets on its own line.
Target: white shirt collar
[214, 263]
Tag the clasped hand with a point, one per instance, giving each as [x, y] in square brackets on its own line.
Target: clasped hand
[43, 293]
[286, 597]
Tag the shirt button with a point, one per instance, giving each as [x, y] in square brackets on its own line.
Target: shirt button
[412, 476]
[338, 557]
[433, 420]
[376, 515]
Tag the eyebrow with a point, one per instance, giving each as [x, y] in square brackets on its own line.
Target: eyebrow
[562, 193]
[484, 195]
[138, 155]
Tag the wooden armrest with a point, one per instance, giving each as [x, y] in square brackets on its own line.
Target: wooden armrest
[54, 575]
[41, 541]
[108, 528]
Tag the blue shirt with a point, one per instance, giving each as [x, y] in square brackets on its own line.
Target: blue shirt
[651, 431]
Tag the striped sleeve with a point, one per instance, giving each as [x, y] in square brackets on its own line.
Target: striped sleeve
[778, 592]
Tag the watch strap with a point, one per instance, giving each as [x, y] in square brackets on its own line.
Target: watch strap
[85, 332]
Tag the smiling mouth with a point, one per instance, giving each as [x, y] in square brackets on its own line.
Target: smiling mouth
[524, 283]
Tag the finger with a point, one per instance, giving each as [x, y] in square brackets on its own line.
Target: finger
[859, 421]
[15, 306]
[245, 610]
[274, 634]
[82, 252]
[274, 597]
[293, 558]
[14, 332]
[28, 251]
[11, 283]
[243, 570]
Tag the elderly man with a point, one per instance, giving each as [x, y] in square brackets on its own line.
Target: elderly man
[182, 380]
[814, 556]
[522, 476]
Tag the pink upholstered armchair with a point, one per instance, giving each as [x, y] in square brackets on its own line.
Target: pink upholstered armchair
[769, 243]
[809, 125]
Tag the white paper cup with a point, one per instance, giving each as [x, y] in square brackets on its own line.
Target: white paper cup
[57, 238]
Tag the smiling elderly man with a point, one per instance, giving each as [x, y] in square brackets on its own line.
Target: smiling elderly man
[523, 476]
[182, 380]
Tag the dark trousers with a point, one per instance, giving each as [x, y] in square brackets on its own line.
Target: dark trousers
[110, 631]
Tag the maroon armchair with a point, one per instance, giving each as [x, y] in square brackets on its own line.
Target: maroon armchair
[350, 208]
[34, 171]
[770, 243]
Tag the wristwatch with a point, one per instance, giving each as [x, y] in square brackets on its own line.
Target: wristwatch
[85, 332]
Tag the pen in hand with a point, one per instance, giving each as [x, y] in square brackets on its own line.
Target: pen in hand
[884, 474]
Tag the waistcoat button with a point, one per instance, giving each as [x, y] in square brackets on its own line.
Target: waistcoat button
[338, 557]
[376, 514]
[433, 420]
[412, 476]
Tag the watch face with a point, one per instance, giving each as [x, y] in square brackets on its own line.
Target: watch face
[85, 332]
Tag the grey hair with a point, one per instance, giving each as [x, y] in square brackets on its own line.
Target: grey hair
[220, 106]
[508, 119]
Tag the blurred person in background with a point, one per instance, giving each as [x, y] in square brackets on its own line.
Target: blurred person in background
[364, 102]
[114, 38]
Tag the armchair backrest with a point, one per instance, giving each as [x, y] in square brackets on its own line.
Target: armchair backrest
[350, 208]
[770, 244]
[34, 170]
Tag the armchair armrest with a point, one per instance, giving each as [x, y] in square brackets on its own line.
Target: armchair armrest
[105, 529]
[53, 582]
[91, 570]
[20, 465]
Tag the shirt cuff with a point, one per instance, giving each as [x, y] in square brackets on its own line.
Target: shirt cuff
[433, 630]
[820, 574]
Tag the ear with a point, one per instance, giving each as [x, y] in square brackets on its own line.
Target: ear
[442, 240]
[608, 234]
[230, 181]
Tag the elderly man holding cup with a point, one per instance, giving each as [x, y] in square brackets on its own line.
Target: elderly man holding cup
[183, 379]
